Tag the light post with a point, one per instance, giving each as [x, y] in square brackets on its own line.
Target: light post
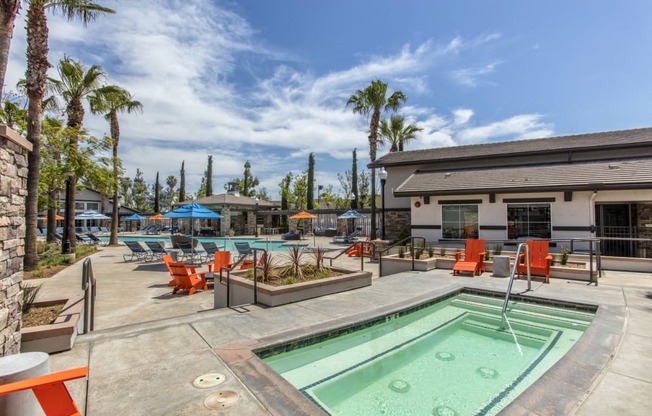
[65, 240]
[383, 178]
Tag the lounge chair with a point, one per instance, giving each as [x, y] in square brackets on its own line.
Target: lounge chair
[95, 230]
[95, 239]
[188, 251]
[186, 278]
[138, 252]
[473, 258]
[347, 239]
[104, 230]
[540, 260]
[83, 239]
[210, 248]
[292, 235]
[157, 250]
[360, 249]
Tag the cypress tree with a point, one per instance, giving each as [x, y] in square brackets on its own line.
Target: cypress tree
[182, 182]
[310, 197]
[354, 180]
[157, 186]
[209, 176]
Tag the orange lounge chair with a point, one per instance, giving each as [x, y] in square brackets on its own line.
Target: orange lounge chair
[473, 258]
[50, 391]
[540, 260]
[360, 249]
[220, 259]
[186, 278]
[354, 251]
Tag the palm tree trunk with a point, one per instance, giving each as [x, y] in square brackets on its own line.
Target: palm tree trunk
[373, 145]
[36, 75]
[52, 215]
[115, 135]
[75, 113]
[8, 11]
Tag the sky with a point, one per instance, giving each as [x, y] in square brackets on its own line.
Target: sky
[268, 81]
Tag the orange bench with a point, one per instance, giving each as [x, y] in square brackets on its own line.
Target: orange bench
[50, 391]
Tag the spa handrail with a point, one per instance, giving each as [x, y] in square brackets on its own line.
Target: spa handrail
[239, 261]
[511, 277]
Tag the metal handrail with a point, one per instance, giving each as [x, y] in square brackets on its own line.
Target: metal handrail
[362, 245]
[239, 261]
[88, 285]
[399, 243]
[511, 277]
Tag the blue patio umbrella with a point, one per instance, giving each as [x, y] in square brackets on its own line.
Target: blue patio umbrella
[193, 211]
[351, 215]
[91, 215]
[134, 217]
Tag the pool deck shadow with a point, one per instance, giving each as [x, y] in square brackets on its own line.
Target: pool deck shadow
[149, 345]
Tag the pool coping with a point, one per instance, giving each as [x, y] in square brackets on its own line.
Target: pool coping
[560, 390]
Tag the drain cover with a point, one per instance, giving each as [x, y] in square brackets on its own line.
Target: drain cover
[209, 380]
[222, 399]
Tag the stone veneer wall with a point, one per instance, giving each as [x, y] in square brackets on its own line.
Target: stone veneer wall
[395, 221]
[13, 190]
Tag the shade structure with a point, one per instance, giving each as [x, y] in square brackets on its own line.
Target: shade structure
[351, 215]
[193, 211]
[158, 217]
[91, 215]
[134, 217]
[303, 215]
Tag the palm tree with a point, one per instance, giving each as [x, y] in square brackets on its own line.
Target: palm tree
[36, 79]
[396, 133]
[373, 99]
[112, 100]
[76, 84]
[8, 12]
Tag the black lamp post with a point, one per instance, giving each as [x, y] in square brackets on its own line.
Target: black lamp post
[256, 219]
[383, 179]
[65, 240]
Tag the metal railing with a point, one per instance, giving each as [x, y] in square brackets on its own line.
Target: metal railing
[88, 285]
[511, 277]
[360, 244]
[227, 282]
[402, 242]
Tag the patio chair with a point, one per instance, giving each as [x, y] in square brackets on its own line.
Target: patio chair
[347, 239]
[83, 239]
[185, 278]
[157, 250]
[210, 248]
[104, 230]
[50, 390]
[221, 259]
[95, 239]
[249, 263]
[473, 258]
[95, 230]
[540, 260]
[138, 252]
[188, 251]
[167, 259]
[292, 235]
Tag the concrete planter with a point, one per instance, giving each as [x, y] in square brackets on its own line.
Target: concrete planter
[393, 264]
[57, 336]
[242, 289]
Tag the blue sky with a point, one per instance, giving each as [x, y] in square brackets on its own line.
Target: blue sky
[267, 81]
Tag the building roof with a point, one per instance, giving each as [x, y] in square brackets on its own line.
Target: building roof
[232, 200]
[620, 139]
[614, 174]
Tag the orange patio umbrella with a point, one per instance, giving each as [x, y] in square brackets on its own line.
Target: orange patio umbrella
[303, 215]
[158, 217]
[56, 217]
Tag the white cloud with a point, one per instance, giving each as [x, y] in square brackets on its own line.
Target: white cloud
[470, 77]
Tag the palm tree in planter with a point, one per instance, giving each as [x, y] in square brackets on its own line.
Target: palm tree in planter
[76, 84]
[36, 81]
[110, 101]
[373, 100]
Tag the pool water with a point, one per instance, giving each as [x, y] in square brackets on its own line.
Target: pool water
[454, 357]
[226, 242]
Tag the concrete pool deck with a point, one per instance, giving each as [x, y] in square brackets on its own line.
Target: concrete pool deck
[149, 345]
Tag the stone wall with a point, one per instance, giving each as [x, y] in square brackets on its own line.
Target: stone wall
[13, 190]
[395, 221]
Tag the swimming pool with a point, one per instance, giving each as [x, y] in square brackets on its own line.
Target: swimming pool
[453, 357]
[272, 245]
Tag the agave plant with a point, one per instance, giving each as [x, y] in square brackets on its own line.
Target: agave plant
[29, 295]
[294, 256]
[318, 255]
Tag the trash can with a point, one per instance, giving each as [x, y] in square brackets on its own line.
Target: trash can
[501, 266]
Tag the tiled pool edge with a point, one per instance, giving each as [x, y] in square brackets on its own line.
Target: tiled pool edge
[559, 391]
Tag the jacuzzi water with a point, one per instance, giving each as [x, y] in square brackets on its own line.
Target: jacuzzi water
[454, 357]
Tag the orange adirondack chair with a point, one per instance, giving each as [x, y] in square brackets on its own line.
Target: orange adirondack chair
[50, 391]
[186, 278]
[220, 259]
[167, 259]
[473, 258]
[248, 263]
[540, 260]
[360, 249]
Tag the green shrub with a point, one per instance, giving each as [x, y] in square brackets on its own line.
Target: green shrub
[565, 251]
[418, 252]
[442, 251]
[401, 252]
[403, 234]
[431, 250]
[498, 248]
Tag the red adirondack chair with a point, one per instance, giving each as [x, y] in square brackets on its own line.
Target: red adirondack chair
[220, 259]
[473, 258]
[540, 260]
[186, 278]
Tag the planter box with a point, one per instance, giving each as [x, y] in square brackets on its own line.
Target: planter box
[57, 336]
[393, 264]
[242, 289]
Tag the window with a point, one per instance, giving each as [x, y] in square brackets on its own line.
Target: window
[92, 206]
[459, 221]
[79, 206]
[528, 220]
